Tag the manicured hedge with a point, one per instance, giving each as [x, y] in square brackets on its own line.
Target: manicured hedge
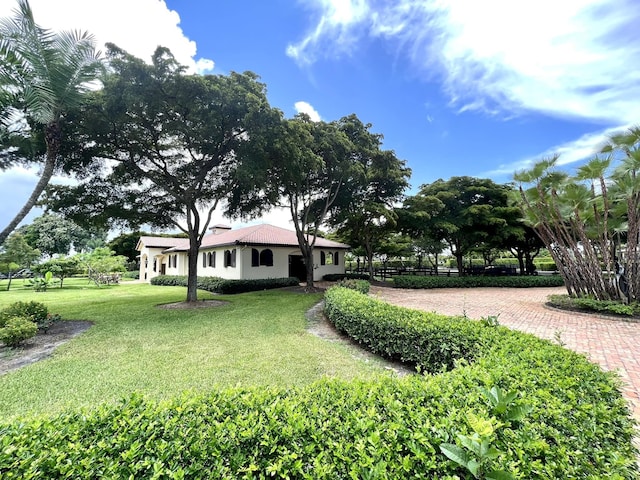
[576, 406]
[415, 281]
[220, 285]
[334, 277]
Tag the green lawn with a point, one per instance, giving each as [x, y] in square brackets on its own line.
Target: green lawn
[257, 339]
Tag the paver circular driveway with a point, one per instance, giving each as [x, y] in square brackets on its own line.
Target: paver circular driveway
[612, 343]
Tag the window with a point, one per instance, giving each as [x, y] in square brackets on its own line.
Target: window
[155, 265]
[255, 257]
[266, 257]
[230, 258]
[323, 258]
[204, 259]
[336, 258]
[329, 259]
[211, 259]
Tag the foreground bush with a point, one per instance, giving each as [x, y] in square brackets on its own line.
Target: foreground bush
[571, 397]
[415, 281]
[35, 311]
[220, 285]
[361, 286]
[16, 330]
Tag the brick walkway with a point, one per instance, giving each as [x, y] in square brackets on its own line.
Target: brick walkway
[612, 343]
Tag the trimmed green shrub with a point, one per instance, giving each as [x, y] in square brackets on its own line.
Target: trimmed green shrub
[587, 304]
[546, 266]
[35, 311]
[571, 398]
[528, 281]
[361, 286]
[16, 330]
[220, 285]
[334, 277]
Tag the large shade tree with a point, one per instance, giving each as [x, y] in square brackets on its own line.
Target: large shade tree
[42, 75]
[176, 145]
[366, 212]
[465, 212]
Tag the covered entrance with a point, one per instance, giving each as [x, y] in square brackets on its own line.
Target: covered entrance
[297, 268]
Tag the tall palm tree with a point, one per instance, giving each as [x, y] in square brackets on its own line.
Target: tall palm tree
[43, 74]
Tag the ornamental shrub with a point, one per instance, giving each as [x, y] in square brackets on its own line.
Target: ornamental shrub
[222, 286]
[528, 281]
[334, 277]
[35, 311]
[361, 286]
[16, 330]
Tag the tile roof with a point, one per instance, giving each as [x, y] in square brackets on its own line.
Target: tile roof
[262, 235]
[161, 242]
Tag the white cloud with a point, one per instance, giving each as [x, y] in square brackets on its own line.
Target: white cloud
[579, 150]
[571, 58]
[138, 26]
[304, 107]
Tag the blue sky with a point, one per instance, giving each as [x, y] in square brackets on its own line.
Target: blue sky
[456, 87]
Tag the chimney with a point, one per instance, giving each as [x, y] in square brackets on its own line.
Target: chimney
[218, 229]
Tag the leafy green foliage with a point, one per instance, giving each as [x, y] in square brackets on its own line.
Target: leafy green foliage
[40, 284]
[16, 330]
[361, 286]
[221, 285]
[565, 398]
[588, 304]
[35, 311]
[415, 281]
[334, 277]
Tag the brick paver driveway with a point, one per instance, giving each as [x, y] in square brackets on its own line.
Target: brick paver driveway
[614, 344]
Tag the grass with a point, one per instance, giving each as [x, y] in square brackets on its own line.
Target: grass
[257, 339]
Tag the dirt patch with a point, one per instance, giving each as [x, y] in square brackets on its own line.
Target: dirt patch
[41, 346]
[190, 305]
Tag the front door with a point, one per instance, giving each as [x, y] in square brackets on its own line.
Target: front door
[297, 268]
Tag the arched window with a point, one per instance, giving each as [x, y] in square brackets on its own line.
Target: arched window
[204, 259]
[266, 257]
[329, 258]
[336, 258]
[323, 258]
[255, 257]
[230, 258]
[155, 265]
[208, 259]
[212, 259]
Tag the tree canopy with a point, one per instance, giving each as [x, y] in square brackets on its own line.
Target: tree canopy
[175, 144]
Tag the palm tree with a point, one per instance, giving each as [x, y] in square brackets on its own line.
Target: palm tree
[43, 74]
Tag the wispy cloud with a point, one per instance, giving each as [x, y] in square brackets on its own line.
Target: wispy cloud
[579, 150]
[571, 58]
[304, 107]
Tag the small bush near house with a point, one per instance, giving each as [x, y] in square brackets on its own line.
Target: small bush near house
[16, 330]
[222, 286]
[529, 281]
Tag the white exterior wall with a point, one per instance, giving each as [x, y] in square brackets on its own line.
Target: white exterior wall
[243, 268]
[321, 270]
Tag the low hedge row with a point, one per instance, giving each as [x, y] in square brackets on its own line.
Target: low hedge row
[334, 277]
[415, 281]
[579, 424]
[223, 286]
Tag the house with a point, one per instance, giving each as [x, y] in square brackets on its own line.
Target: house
[259, 251]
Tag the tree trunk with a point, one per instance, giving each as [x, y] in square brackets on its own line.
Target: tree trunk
[308, 262]
[192, 272]
[460, 263]
[52, 138]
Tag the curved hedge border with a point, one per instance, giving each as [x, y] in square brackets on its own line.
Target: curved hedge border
[577, 406]
[415, 281]
[220, 285]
